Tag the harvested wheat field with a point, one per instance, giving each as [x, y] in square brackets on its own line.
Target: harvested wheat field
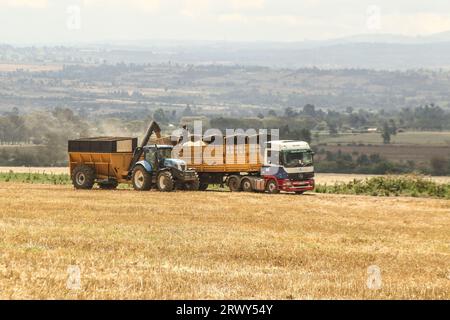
[192, 245]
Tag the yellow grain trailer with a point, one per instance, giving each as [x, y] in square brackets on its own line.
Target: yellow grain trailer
[105, 160]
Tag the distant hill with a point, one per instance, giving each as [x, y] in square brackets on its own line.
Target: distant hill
[367, 51]
[371, 51]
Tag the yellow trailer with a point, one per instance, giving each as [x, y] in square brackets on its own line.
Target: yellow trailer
[229, 158]
[105, 165]
[250, 164]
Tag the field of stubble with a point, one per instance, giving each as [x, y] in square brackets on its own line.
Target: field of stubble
[151, 245]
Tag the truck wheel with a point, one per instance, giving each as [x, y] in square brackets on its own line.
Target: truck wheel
[141, 179]
[193, 185]
[203, 186]
[165, 182]
[272, 187]
[110, 185]
[246, 185]
[233, 184]
[83, 177]
[299, 192]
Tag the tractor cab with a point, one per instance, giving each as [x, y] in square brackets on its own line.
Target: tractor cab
[160, 156]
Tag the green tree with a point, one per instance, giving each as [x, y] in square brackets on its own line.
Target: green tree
[392, 127]
[160, 116]
[332, 128]
[272, 113]
[187, 112]
[309, 110]
[289, 112]
[386, 133]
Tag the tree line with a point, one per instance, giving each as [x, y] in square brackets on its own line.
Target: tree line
[39, 138]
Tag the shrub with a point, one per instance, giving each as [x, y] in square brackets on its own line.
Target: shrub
[411, 185]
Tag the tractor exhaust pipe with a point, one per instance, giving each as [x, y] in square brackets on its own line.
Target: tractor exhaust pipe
[153, 128]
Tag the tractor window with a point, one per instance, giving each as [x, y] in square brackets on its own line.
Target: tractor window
[165, 153]
[150, 156]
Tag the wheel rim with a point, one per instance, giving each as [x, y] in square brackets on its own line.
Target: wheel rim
[139, 179]
[272, 186]
[80, 178]
[162, 182]
[247, 185]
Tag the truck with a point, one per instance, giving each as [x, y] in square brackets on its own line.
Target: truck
[109, 161]
[292, 170]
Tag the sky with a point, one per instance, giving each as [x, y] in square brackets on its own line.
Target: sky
[84, 21]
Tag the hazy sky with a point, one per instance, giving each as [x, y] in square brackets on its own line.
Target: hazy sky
[64, 21]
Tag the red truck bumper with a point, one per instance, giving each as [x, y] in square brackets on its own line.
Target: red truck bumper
[295, 186]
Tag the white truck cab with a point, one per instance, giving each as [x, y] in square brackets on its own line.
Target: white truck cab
[289, 165]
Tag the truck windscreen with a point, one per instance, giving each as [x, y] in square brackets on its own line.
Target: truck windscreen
[296, 158]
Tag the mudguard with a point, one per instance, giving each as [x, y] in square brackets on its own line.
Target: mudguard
[147, 166]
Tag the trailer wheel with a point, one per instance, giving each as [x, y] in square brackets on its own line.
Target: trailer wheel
[110, 185]
[164, 181]
[203, 186]
[193, 185]
[246, 185]
[233, 184]
[141, 179]
[83, 177]
[272, 187]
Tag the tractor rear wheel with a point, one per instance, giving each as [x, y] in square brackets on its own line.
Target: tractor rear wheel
[193, 185]
[165, 182]
[141, 179]
[233, 184]
[110, 185]
[83, 177]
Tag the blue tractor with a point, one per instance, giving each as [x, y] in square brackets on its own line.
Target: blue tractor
[152, 165]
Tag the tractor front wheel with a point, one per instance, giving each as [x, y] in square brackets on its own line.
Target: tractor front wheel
[83, 177]
[165, 181]
[142, 180]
